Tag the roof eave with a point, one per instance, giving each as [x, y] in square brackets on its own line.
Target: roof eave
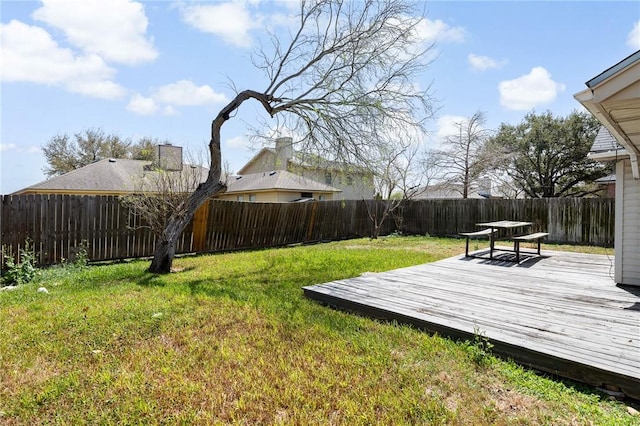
[620, 154]
[589, 100]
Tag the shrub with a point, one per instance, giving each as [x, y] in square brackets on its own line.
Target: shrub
[24, 270]
[479, 349]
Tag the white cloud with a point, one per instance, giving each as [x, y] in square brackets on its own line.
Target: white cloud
[633, 39]
[237, 142]
[169, 110]
[181, 93]
[231, 20]
[114, 29]
[12, 147]
[29, 54]
[438, 31]
[483, 63]
[530, 90]
[7, 147]
[186, 93]
[141, 105]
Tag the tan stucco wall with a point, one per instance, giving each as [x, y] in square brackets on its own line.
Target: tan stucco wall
[265, 162]
[273, 196]
[361, 186]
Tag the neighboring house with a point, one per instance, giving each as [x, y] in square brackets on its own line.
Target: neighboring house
[119, 176]
[613, 97]
[608, 186]
[124, 176]
[276, 186]
[354, 183]
[606, 148]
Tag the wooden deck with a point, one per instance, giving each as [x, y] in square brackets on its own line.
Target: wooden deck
[561, 313]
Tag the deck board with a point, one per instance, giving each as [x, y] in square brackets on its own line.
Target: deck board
[561, 313]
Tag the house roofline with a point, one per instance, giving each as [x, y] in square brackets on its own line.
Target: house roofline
[610, 72]
[245, 191]
[620, 154]
[253, 160]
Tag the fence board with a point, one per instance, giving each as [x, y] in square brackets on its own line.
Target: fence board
[58, 225]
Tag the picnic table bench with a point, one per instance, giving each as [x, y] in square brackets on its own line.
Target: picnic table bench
[482, 233]
[536, 236]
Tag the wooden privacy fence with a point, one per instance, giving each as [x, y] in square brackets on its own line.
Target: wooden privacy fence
[59, 225]
[583, 221]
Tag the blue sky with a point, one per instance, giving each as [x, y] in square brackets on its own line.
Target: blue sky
[163, 68]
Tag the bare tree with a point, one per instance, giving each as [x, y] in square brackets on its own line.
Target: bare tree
[396, 180]
[346, 73]
[462, 158]
[161, 193]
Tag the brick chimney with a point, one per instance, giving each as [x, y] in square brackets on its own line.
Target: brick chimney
[284, 152]
[168, 157]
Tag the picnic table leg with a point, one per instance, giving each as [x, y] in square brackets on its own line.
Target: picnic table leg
[516, 245]
[466, 249]
[491, 243]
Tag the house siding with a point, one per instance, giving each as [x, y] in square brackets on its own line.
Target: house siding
[274, 196]
[360, 188]
[628, 251]
[265, 162]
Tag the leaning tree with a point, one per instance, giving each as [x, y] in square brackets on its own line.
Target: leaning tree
[339, 80]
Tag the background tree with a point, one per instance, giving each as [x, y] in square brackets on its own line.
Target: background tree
[346, 73]
[160, 193]
[546, 156]
[64, 153]
[462, 158]
[396, 180]
[145, 148]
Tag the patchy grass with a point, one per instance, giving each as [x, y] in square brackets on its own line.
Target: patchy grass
[230, 339]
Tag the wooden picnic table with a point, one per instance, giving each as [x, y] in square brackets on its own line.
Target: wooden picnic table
[491, 229]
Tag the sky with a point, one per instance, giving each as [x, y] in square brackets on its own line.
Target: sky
[164, 69]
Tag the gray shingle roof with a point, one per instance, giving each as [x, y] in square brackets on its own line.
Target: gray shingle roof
[108, 175]
[278, 179]
[605, 142]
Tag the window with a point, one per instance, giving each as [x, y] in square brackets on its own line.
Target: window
[349, 180]
[327, 178]
[321, 198]
[240, 198]
[306, 195]
[252, 197]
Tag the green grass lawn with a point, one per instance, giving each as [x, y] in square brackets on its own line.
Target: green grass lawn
[230, 339]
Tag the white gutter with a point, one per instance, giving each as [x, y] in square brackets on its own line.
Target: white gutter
[620, 154]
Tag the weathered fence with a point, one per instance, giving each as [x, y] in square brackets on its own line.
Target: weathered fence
[59, 225]
[583, 221]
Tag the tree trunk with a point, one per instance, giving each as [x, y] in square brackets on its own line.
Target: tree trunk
[163, 257]
[165, 249]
